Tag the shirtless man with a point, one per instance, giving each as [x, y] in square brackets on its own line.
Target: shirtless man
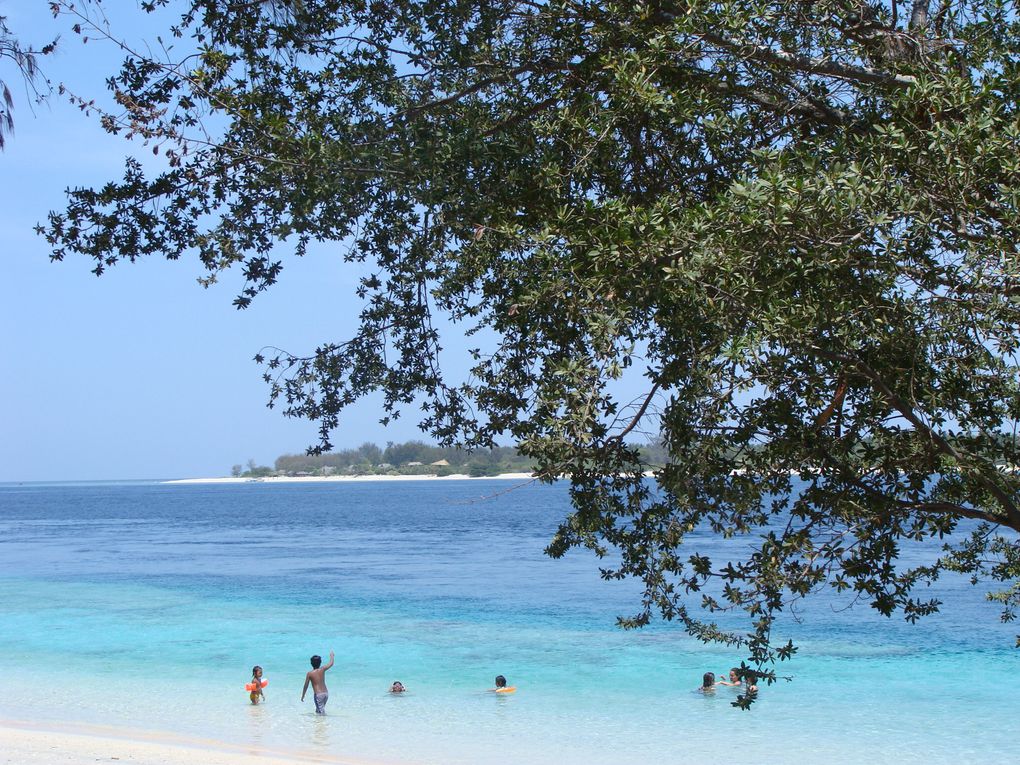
[317, 677]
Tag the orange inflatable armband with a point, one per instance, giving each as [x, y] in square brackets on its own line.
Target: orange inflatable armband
[511, 689]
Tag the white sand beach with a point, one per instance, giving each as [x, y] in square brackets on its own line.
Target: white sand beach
[351, 478]
[26, 744]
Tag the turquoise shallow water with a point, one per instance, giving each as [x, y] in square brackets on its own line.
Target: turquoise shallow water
[146, 606]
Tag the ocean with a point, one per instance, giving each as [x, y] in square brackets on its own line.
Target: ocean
[144, 606]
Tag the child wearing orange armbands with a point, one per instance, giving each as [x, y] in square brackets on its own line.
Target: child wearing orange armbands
[502, 687]
[256, 685]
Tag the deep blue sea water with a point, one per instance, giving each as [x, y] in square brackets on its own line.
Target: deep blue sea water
[146, 605]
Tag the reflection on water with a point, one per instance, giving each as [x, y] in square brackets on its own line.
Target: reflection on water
[319, 731]
[257, 726]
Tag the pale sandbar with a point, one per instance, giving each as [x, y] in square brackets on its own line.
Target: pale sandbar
[24, 743]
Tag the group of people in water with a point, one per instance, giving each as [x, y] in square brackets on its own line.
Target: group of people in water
[316, 678]
[747, 682]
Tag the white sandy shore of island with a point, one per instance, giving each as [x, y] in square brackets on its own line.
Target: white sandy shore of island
[24, 743]
[350, 478]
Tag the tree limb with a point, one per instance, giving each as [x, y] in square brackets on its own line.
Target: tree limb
[807, 65]
[637, 418]
[1006, 502]
[919, 15]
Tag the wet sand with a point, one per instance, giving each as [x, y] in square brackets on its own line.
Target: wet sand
[23, 743]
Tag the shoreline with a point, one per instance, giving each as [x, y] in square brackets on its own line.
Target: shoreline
[27, 743]
[353, 478]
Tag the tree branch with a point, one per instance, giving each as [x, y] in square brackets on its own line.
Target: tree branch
[530, 68]
[521, 116]
[950, 508]
[637, 418]
[919, 15]
[1006, 502]
[807, 65]
[807, 107]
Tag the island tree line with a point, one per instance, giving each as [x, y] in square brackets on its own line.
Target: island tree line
[410, 458]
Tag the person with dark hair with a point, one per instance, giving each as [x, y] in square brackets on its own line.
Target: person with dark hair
[397, 687]
[742, 678]
[734, 680]
[256, 685]
[707, 682]
[502, 687]
[750, 678]
[316, 676]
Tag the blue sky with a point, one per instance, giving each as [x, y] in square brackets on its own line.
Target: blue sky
[141, 373]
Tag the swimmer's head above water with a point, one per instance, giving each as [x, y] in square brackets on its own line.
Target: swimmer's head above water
[750, 680]
[707, 680]
[500, 681]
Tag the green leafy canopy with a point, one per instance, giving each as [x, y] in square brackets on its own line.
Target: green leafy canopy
[798, 220]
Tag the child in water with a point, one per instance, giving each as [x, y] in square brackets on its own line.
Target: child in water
[707, 682]
[316, 677]
[256, 685]
[397, 687]
[501, 686]
[746, 682]
[735, 680]
[750, 678]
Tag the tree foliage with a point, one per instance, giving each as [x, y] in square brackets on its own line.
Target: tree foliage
[798, 220]
[25, 61]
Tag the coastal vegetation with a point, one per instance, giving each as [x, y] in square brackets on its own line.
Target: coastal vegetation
[410, 458]
[793, 224]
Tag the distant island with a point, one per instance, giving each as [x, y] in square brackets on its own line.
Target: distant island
[410, 458]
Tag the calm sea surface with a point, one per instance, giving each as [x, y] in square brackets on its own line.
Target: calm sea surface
[146, 605]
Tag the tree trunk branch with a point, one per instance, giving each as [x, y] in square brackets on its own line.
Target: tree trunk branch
[808, 65]
[1008, 505]
[919, 15]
